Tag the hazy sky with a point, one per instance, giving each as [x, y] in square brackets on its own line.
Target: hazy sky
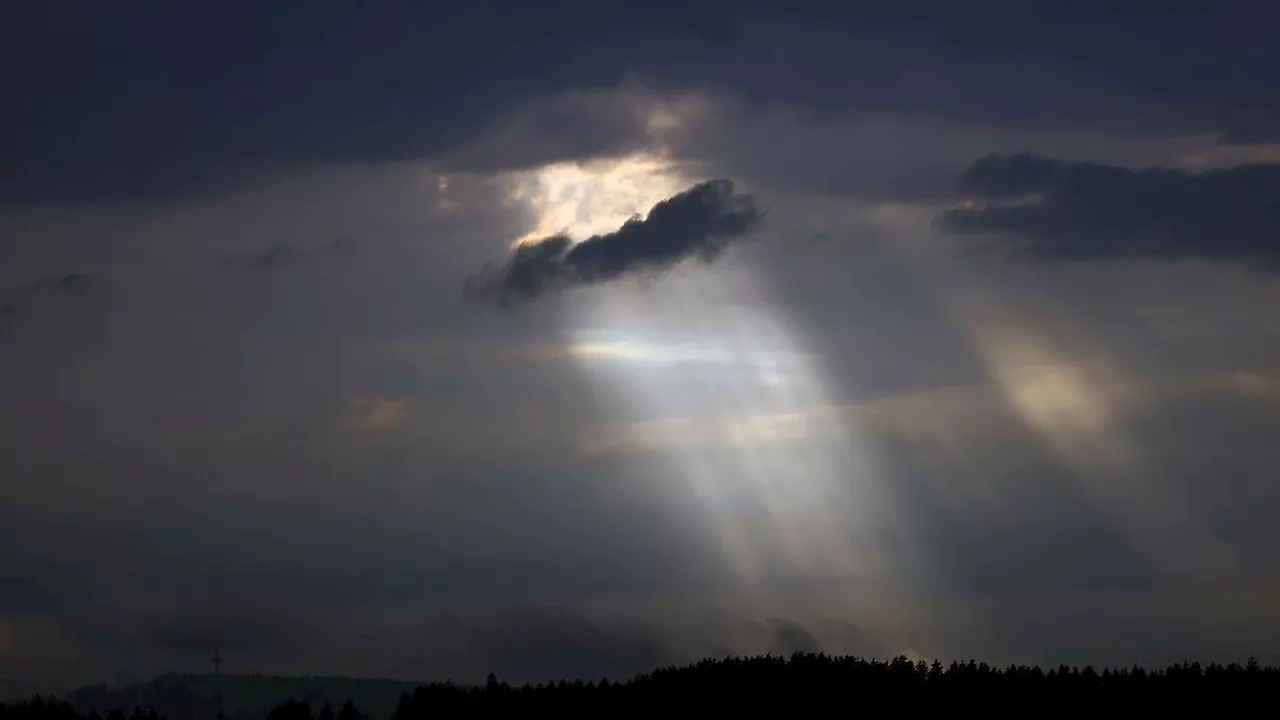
[957, 337]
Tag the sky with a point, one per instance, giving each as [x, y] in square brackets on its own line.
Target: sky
[425, 340]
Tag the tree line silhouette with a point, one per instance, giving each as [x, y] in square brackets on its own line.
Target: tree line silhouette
[241, 697]
[811, 683]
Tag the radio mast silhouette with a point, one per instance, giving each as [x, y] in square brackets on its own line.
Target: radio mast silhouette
[217, 685]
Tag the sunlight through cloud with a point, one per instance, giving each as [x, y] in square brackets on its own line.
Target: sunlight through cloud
[719, 387]
[592, 198]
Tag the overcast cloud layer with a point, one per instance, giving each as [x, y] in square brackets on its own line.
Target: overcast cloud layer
[246, 406]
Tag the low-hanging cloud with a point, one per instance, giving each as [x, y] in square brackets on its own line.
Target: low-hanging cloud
[1083, 211]
[697, 223]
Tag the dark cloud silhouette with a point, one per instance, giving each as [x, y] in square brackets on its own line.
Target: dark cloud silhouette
[697, 223]
[1047, 208]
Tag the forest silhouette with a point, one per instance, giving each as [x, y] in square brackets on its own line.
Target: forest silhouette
[802, 682]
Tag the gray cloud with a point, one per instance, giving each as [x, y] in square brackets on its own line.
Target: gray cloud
[1051, 209]
[697, 223]
[99, 122]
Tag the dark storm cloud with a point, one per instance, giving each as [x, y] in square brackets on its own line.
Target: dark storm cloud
[150, 99]
[146, 100]
[697, 223]
[1080, 211]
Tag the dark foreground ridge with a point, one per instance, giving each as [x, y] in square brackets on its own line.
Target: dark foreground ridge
[810, 683]
[239, 697]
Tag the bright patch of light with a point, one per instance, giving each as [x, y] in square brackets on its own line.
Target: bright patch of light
[699, 350]
[593, 198]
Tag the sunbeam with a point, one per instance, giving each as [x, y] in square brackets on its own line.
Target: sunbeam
[720, 389]
[1070, 392]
